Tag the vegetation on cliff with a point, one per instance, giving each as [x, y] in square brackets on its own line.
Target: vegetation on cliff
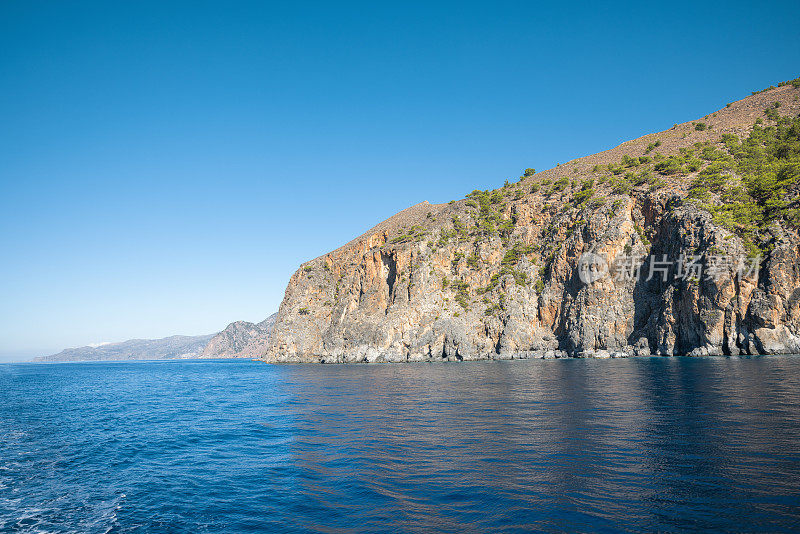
[755, 182]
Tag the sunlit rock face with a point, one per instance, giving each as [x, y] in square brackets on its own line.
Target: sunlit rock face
[567, 262]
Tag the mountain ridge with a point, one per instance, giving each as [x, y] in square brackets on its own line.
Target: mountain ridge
[248, 340]
[170, 347]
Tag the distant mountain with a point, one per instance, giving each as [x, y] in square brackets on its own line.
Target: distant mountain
[168, 348]
[240, 340]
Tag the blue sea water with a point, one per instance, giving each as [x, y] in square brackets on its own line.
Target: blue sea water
[667, 444]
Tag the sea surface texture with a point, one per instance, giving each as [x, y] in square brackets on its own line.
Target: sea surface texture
[641, 444]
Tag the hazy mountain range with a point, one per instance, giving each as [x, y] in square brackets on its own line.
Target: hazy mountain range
[239, 339]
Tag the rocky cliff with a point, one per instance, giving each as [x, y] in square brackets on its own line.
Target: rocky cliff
[680, 242]
[240, 339]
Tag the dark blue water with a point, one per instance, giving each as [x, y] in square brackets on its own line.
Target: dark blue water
[667, 444]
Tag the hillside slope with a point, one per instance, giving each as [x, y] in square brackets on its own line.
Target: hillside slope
[679, 242]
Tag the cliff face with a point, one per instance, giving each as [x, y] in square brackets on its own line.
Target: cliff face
[547, 266]
[240, 339]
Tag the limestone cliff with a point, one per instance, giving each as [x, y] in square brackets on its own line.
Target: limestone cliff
[500, 274]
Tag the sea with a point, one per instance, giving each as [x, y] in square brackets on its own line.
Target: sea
[628, 445]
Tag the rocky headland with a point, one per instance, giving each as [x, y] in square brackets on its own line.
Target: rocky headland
[240, 339]
[704, 215]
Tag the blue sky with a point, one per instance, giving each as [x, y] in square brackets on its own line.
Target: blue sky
[166, 166]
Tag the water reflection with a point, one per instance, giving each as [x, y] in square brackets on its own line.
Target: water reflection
[662, 443]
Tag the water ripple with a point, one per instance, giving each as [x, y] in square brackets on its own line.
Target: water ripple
[667, 444]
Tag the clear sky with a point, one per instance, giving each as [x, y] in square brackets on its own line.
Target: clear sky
[166, 166]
